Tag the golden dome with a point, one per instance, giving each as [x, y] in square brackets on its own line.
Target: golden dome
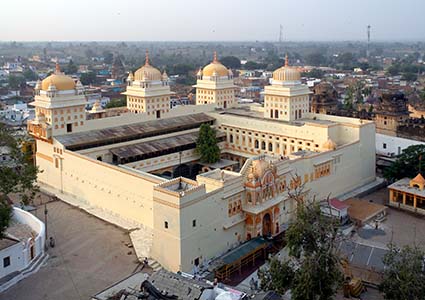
[286, 73]
[147, 72]
[215, 68]
[259, 167]
[329, 145]
[59, 80]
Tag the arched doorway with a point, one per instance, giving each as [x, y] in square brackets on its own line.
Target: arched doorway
[267, 225]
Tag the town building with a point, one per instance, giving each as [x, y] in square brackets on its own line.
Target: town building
[22, 249]
[141, 166]
[408, 194]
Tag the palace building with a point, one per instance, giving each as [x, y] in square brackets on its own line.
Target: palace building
[142, 167]
[215, 85]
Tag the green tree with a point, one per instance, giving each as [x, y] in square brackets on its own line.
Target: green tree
[277, 277]
[16, 82]
[108, 57]
[315, 59]
[314, 73]
[71, 68]
[18, 176]
[252, 65]
[30, 75]
[88, 78]
[311, 240]
[231, 62]
[119, 102]
[404, 274]
[207, 144]
[407, 164]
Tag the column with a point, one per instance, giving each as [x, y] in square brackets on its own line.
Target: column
[414, 201]
[404, 198]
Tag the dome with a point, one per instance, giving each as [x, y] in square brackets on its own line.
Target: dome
[59, 80]
[286, 73]
[215, 67]
[329, 145]
[147, 72]
[259, 167]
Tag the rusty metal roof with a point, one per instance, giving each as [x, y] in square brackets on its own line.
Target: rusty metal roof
[123, 133]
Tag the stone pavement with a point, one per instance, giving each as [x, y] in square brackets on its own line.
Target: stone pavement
[89, 255]
[141, 236]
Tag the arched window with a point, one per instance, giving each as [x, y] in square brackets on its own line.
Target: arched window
[276, 114]
[263, 145]
[271, 113]
[231, 138]
[270, 147]
[257, 144]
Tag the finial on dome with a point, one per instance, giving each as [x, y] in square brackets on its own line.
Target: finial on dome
[58, 68]
[147, 58]
[286, 60]
[215, 57]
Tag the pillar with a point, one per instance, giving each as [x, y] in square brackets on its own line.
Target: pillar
[392, 196]
[414, 201]
[404, 198]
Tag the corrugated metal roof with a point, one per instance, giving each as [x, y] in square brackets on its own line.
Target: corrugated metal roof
[107, 136]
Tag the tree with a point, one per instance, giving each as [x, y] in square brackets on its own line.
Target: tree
[16, 82]
[119, 102]
[88, 78]
[407, 164]
[315, 59]
[252, 65]
[231, 62]
[207, 144]
[278, 277]
[311, 240]
[18, 176]
[30, 75]
[108, 57]
[404, 273]
[314, 73]
[71, 68]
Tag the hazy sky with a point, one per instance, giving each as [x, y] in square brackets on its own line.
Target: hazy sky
[204, 20]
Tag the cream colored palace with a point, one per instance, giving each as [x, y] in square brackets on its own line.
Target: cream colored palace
[125, 164]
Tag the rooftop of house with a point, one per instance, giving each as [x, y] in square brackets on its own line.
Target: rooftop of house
[403, 185]
[165, 285]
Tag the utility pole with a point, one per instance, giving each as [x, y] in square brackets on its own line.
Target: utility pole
[368, 41]
[45, 224]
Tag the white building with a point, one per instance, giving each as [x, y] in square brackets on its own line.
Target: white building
[114, 165]
[22, 251]
[387, 145]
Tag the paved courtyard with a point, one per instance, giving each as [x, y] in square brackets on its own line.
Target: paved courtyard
[89, 256]
[400, 227]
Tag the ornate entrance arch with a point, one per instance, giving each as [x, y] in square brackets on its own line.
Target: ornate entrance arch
[267, 225]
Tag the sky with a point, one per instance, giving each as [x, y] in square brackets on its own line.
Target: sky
[206, 20]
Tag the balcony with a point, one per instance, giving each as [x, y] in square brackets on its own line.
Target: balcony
[41, 131]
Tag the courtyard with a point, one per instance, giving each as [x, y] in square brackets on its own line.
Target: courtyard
[89, 255]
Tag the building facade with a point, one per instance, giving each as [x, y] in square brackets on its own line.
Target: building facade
[148, 91]
[122, 164]
[215, 85]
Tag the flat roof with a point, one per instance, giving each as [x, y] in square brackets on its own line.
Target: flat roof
[123, 133]
[363, 210]
[247, 112]
[7, 242]
[403, 185]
